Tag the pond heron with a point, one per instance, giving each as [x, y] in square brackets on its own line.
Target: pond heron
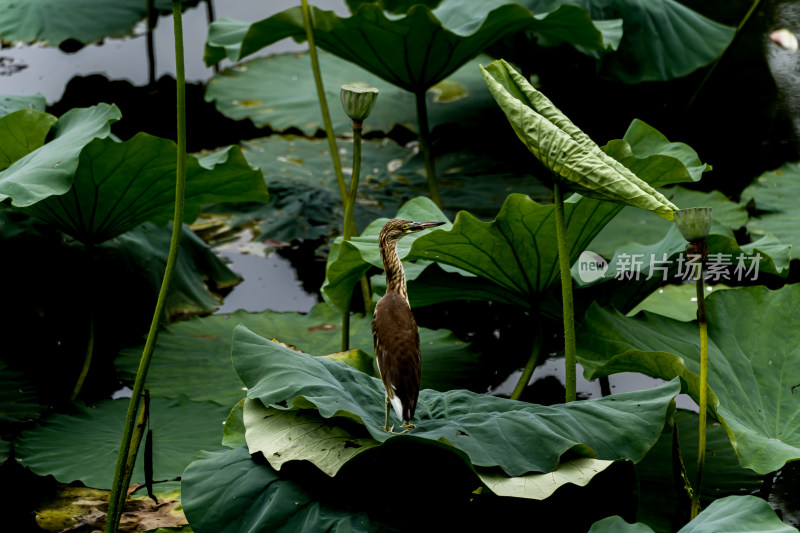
[394, 329]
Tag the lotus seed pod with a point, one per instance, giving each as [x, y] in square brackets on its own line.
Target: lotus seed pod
[358, 101]
[694, 223]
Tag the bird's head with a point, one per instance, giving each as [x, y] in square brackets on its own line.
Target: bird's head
[398, 228]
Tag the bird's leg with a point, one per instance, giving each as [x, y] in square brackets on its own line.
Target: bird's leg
[385, 426]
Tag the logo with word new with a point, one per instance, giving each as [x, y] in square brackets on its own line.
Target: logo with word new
[591, 266]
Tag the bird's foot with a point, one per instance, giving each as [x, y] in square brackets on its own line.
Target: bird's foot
[409, 426]
[391, 430]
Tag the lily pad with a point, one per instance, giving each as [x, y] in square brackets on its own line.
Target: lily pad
[83, 446]
[22, 132]
[279, 91]
[413, 51]
[774, 194]
[662, 39]
[534, 437]
[734, 513]
[751, 376]
[119, 185]
[48, 171]
[447, 361]
[564, 149]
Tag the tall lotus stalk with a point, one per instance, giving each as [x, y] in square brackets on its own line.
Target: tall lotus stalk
[695, 224]
[329, 133]
[357, 103]
[575, 161]
[118, 490]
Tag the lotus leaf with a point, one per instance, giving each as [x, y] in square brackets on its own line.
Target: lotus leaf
[734, 513]
[86, 21]
[83, 446]
[229, 492]
[119, 185]
[48, 171]
[564, 149]
[22, 132]
[279, 91]
[20, 399]
[675, 301]
[447, 361]
[11, 103]
[534, 437]
[753, 365]
[662, 39]
[143, 252]
[774, 194]
[414, 51]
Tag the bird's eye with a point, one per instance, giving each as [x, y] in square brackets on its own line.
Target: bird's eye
[405, 226]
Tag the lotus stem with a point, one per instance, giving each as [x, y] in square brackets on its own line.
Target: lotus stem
[570, 351]
[150, 15]
[118, 489]
[87, 360]
[703, 400]
[349, 224]
[425, 146]
[323, 103]
[527, 372]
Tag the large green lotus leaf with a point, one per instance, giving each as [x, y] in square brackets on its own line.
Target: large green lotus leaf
[5, 450]
[230, 492]
[751, 374]
[563, 148]
[643, 148]
[734, 513]
[279, 91]
[143, 251]
[774, 194]
[119, 185]
[86, 21]
[10, 103]
[22, 132]
[660, 500]
[636, 270]
[534, 437]
[447, 362]
[83, 446]
[636, 225]
[662, 39]
[414, 51]
[516, 251]
[48, 171]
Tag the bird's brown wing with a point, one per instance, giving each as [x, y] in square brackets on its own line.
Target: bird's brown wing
[394, 331]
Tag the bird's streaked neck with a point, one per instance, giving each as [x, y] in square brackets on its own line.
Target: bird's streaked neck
[395, 277]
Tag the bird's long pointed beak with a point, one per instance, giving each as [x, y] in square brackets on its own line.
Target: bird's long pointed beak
[419, 226]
